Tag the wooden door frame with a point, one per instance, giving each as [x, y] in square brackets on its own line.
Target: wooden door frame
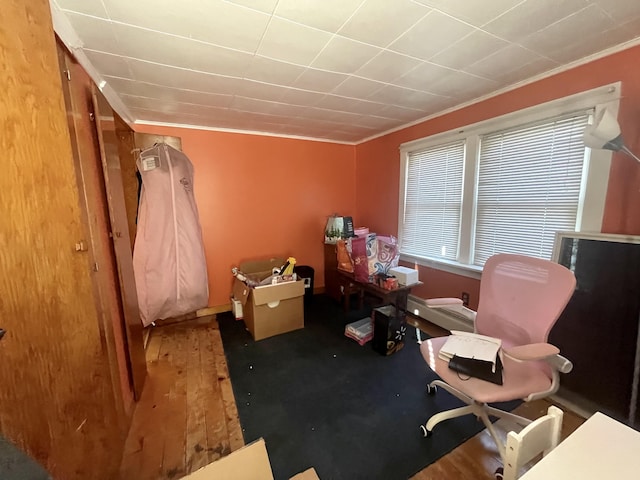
[122, 248]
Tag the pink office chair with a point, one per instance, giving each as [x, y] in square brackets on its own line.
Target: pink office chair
[520, 300]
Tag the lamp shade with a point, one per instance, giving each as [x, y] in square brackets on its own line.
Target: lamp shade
[604, 133]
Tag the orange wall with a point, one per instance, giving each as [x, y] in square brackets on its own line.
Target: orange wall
[261, 196]
[378, 161]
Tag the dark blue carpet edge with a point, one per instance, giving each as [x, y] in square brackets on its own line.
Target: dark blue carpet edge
[321, 400]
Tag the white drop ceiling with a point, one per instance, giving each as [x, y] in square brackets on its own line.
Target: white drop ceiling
[333, 70]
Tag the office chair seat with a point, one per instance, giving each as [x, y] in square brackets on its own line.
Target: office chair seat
[519, 378]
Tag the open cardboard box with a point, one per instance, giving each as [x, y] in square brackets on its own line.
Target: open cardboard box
[251, 462]
[270, 309]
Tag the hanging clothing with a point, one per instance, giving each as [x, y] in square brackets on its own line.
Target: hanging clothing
[168, 255]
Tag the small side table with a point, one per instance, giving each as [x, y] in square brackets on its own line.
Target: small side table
[397, 296]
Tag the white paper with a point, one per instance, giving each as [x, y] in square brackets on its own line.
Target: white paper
[471, 345]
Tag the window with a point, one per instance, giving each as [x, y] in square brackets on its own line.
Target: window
[506, 185]
[434, 199]
[528, 187]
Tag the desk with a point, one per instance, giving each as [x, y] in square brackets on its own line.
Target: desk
[397, 296]
[600, 448]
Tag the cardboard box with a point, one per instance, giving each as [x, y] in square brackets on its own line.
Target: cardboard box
[405, 276]
[251, 462]
[271, 309]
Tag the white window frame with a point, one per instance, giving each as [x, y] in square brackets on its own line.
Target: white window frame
[594, 184]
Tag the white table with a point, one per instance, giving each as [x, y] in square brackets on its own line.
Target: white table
[601, 448]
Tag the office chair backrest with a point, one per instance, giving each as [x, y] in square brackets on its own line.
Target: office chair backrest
[521, 298]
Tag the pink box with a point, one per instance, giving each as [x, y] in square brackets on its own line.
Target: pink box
[361, 231]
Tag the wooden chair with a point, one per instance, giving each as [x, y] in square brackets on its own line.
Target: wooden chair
[539, 437]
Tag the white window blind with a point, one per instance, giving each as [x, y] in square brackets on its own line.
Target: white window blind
[433, 198]
[528, 187]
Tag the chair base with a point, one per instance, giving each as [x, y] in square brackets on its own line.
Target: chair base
[481, 410]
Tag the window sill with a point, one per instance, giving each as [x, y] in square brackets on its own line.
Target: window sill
[470, 271]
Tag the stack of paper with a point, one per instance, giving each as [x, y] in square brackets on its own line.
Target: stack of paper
[361, 331]
[471, 345]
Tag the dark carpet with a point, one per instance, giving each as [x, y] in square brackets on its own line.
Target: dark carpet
[321, 400]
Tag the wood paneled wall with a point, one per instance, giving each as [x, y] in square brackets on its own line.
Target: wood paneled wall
[56, 397]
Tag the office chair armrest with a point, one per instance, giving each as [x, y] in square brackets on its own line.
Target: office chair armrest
[560, 363]
[533, 351]
[443, 302]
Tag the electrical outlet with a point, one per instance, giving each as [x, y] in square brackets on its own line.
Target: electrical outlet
[465, 299]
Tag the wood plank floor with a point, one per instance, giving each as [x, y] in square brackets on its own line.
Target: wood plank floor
[187, 416]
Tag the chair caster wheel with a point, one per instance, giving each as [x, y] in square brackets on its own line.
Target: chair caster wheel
[425, 433]
[431, 389]
[499, 473]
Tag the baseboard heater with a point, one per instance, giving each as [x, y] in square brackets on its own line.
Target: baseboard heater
[455, 318]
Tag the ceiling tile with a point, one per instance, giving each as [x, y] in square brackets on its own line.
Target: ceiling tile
[344, 55]
[146, 115]
[379, 123]
[252, 105]
[288, 110]
[108, 65]
[263, 91]
[95, 33]
[531, 16]
[632, 26]
[462, 85]
[387, 66]
[82, 6]
[430, 35]
[524, 72]
[292, 42]
[401, 113]
[170, 94]
[328, 15]
[570, 30]
[208, 99]
[469, 50]
[361, 107]
[301, 97]
[504, 60]
[620, 10]
[357, 87]
[391, 19]
[475, 12]
[423, 77]
[182, 78]
[212, 21]
[152, 104]
[264, 69]
[333, 115]
[405, 97]
[266, 6]
[156, 47]
[591, 42]
[319, 80]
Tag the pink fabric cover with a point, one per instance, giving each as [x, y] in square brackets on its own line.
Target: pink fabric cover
[168, 257]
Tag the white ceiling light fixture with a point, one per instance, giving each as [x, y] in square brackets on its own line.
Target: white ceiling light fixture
[605, 134]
